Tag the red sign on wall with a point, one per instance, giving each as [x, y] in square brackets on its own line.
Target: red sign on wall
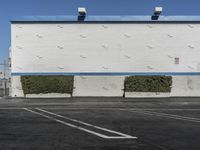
[176, 60]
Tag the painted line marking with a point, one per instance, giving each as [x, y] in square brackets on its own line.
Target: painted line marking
[116, 109]
[84, 123]
[177, 117]
[10, 108]
[87, 124]
[121, 135]
[172, 109]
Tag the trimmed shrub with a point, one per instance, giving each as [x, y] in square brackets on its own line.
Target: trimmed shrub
[148, 84]
[47, 84]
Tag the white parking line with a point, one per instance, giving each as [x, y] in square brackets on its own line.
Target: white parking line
[12, 108]
[118, 108]
[191, 119]
[108, 108]
[170, 109]
[121, 135]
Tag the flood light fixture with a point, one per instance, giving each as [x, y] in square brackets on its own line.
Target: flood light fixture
[158, 10]
[82, 11]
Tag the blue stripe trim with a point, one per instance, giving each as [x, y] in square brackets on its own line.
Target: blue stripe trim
[104, 73]
[104, 18]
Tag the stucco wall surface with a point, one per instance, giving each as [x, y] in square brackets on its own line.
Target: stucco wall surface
[106, 86]
[105, 47]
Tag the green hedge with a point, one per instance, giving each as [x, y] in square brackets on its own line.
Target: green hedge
[47, 84]
[148, 84]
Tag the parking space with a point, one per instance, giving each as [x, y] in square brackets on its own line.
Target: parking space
[100, 125]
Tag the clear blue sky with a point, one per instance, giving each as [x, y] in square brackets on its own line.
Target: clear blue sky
[10, 8]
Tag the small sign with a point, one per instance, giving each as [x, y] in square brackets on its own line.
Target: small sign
[1, 75]
[176, 60]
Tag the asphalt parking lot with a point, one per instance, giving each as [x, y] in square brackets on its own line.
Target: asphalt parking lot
[100, 124]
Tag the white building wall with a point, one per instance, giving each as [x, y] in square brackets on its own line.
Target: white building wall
[100, 47]
[16, 87]
[107, 86]
[186, 86]
[76, 48]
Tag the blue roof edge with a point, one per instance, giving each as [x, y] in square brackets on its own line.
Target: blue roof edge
[106, 73]
[104, 19]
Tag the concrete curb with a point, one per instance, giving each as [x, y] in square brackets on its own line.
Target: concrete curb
[49, 95]
[146, 94]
